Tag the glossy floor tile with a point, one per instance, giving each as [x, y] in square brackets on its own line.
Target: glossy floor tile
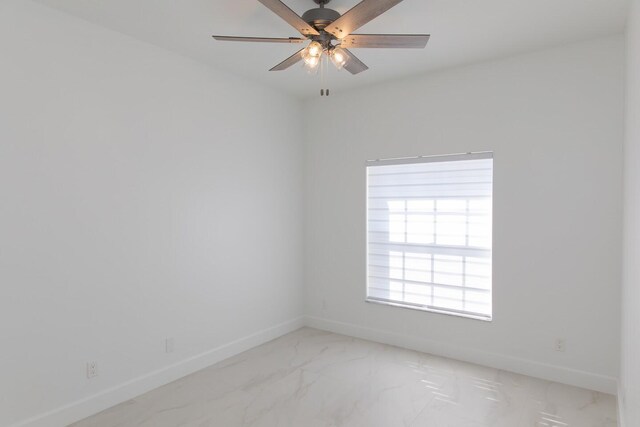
[311, 378]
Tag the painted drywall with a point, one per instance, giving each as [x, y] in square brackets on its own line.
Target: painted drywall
[554, 120]
[143, 196]
[629, 396]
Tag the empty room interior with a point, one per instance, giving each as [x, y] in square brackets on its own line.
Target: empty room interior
[320, 213]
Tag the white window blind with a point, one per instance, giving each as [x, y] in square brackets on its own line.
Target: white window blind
[429, 233]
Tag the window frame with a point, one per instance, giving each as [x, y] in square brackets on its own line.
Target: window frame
[428, 159]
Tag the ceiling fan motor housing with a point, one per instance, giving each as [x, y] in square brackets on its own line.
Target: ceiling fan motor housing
[320, 17]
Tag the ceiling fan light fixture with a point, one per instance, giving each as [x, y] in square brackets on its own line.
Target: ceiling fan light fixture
[314, 49]
[312, 55]
[338, 57]
[311, 64]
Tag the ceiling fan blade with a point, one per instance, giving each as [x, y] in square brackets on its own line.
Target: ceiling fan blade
[284, 12]
[259, 39]
[410, 41]
[359, 15]
[353, 64]
[292, 60]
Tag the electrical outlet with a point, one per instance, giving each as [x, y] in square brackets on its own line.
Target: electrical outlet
[168, 345]
[560, 345]
[324, 305]
[92, 369]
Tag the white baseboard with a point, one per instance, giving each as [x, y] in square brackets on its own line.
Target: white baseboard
[621, 408]
[83, 408]
[531, 368]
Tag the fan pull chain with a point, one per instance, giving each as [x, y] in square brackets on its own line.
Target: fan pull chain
[324, 68]
[322, 75]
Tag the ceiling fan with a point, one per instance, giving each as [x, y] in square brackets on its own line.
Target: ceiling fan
[331, 34]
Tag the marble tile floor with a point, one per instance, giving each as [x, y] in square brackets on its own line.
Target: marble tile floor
[312, 378]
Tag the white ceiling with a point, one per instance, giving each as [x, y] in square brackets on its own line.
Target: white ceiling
[463, 31]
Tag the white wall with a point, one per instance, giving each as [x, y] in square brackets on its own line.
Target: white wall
[555, 122]
[143, 196]
[630, 371]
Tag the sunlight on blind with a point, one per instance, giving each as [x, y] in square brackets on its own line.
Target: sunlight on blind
[429, 232]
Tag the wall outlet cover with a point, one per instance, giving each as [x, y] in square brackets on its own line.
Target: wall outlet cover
[92, 369]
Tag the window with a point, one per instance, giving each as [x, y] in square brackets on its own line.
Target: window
[429, 233]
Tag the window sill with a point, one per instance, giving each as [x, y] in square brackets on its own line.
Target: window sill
[429, 309]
